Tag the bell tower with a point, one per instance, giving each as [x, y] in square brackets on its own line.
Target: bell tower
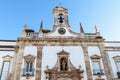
[60, 17]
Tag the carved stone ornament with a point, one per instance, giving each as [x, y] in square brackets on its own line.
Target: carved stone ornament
[63, 53]
[116, 58]
[95, 57]
[29, 58]
[7, 58]
[63, 69]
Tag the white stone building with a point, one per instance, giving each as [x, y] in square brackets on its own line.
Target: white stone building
[59, 54]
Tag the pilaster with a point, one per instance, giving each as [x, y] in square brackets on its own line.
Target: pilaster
[14, 62]
[105, 62]
[87, 62]
[18, 63]
[38, 63]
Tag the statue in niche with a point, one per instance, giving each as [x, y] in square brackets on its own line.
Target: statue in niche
[63, 64]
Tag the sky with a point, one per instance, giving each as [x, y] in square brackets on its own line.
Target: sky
[105, 14]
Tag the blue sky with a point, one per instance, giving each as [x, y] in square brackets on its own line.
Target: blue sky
[103, 13]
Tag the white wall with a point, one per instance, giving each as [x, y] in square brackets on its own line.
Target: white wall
[7, 43]
[30, 50]
[50, 57]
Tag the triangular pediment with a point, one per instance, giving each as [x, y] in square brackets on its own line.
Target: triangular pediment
[29, 56]
[7, 56]
[95, 57]
[63, 53]
[59, 8]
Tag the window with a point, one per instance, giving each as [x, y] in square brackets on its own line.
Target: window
[96, 67]
[118, 65]
[117, 62]
[28, 69]
[60, 18]
[96, 64]
[5, 70]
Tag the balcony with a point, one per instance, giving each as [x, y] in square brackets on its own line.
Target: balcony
[118, 74]
[27, 72]
[98, 71]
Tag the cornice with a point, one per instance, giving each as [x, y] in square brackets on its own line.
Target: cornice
[8, 40]
[112, 48]
[69, 39]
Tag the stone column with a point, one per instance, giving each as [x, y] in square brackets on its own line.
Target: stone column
[87, 62]
[105, 61]
[38, 63]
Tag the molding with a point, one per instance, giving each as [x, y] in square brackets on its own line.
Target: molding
[116, 57]
[112, 48]
[63, 53]
[95, 57]
[7, 46]
[8, 40]
[7, 50]
[7, 58]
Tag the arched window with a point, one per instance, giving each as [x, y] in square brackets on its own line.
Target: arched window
[60, 18]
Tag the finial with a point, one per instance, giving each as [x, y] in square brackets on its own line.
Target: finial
[81, 28]
[96, 30]
[25, 26]
[41, 26]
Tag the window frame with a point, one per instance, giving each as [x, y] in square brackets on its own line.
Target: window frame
[3, 68]
[6, 58]
[97, 58]
[117, 59]
[30, 59]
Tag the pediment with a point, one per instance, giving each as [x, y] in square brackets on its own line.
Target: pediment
[29, 58]
[95, 57]
[63, 53]
[7, 58]
[59, 8]
[116, 57]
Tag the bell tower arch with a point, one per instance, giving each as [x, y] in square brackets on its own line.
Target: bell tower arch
[60, 17]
